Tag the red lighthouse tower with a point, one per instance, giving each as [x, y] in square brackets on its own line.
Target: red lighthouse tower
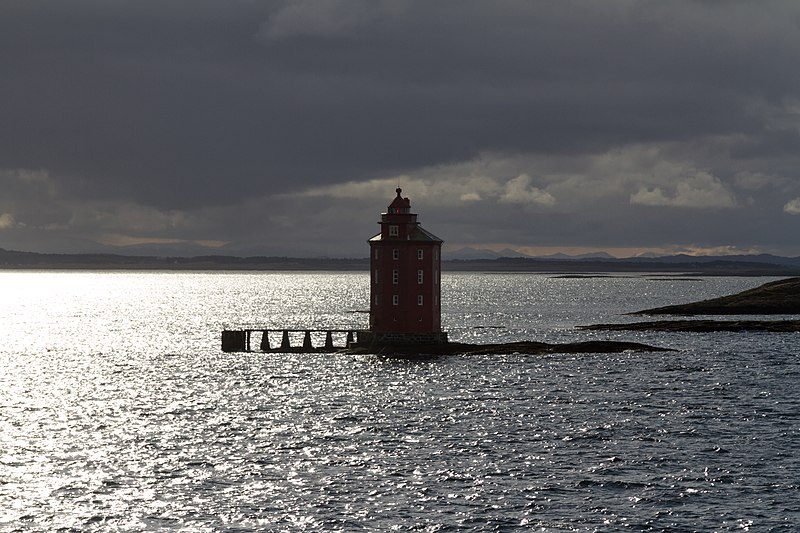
[405, 267]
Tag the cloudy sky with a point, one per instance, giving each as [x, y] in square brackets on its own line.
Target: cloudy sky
[257, 127]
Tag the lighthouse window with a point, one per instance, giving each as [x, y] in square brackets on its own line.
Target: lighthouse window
[376, 253]
[376, 299]
[395, 254]
[436, 253]
[419, 299]
[395, 299]
[377, 276]
[420, 253]
[420, 276]
[393, 231]
[395, 276]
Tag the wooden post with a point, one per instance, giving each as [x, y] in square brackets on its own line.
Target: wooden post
[349, 338]
[247, 341]
[285, 340]
[265, 341]
[329, 340]
[307, 341]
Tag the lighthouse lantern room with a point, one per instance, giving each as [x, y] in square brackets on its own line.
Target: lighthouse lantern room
[405, 275]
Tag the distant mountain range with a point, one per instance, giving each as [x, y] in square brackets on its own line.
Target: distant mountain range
[31, 260]
[749, 265]
[482, 253]
[759, 258]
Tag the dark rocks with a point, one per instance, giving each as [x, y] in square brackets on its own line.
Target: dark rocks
[523, 347]
[776, 298]
[703, 326]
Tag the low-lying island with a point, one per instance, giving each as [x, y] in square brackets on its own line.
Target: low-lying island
[780, 297]
[521, 347]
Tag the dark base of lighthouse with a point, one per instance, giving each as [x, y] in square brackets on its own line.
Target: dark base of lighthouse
[394, 338]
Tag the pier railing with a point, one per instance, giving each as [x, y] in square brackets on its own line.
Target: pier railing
[241, 340]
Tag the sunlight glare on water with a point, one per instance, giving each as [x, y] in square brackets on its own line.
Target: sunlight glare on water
[119, 412]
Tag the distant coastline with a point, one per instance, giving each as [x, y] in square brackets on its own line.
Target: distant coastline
[676, 265]
[780, 297]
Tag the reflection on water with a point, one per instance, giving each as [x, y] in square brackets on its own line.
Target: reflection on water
[119, 412]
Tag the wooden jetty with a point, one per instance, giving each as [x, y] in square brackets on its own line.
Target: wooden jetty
[241, 340]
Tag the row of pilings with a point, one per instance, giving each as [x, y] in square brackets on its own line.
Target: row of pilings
[241, 340]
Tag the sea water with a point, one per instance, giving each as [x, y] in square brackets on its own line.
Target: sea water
[119, 412]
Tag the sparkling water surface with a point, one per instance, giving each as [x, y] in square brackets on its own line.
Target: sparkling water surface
[119, 412]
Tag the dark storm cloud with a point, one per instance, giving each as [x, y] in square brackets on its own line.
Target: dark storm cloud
[193, 105]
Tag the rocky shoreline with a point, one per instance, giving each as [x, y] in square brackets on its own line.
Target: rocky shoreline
[775, 298]
[523, 347]
[780, 297]
[702, 326]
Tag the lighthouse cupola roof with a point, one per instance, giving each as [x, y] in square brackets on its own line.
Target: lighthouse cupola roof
[399, 205]
[400, 224]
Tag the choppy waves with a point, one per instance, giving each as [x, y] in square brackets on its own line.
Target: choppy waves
[119, 413]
